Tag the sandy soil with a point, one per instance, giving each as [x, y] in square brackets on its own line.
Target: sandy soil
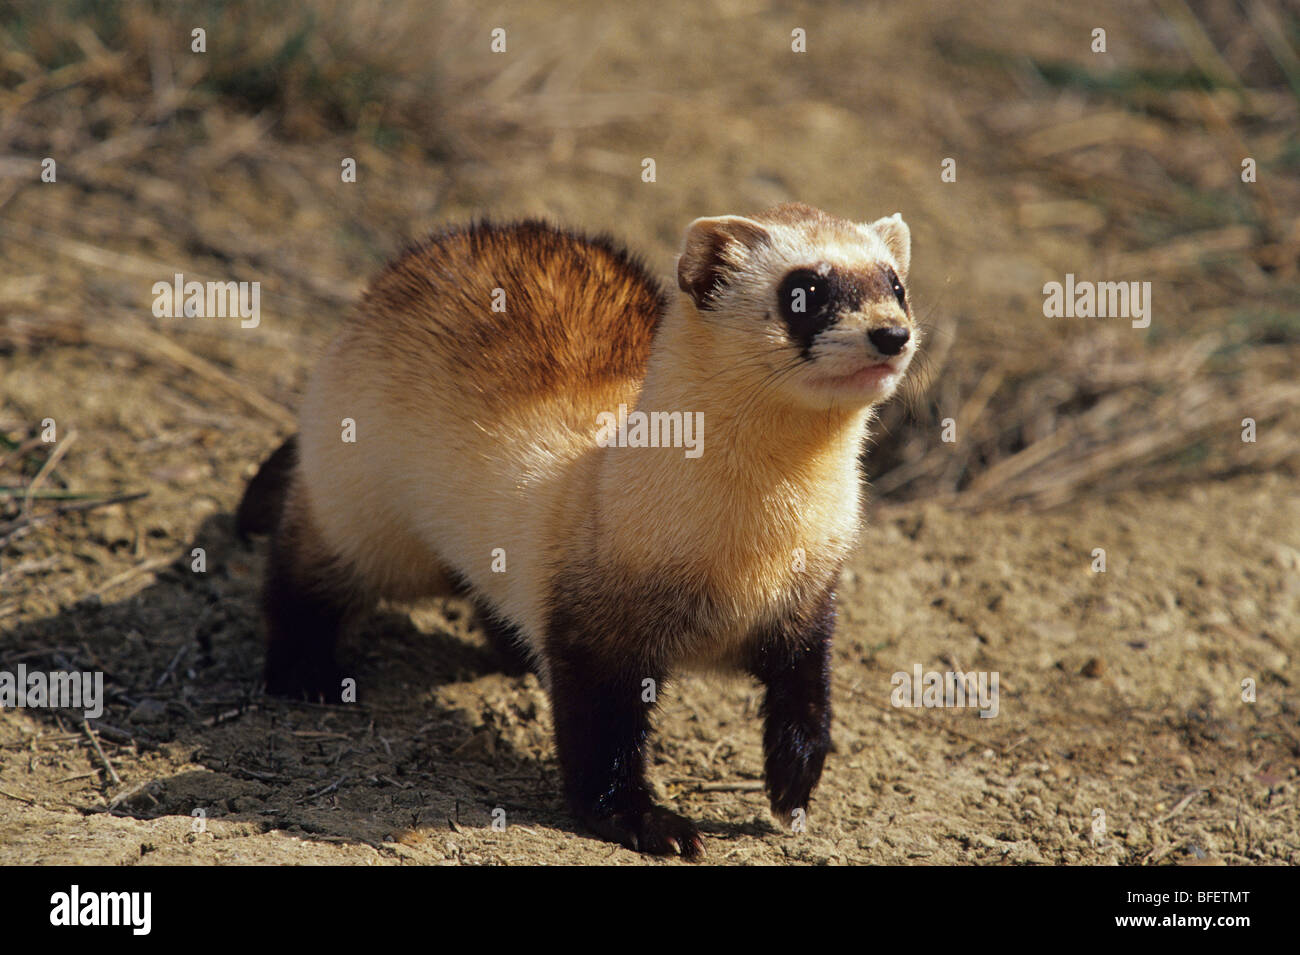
[1122, 735]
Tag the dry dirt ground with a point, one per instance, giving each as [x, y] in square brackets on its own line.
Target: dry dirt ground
[1122, 735]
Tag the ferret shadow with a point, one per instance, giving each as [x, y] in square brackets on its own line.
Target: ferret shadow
[182, 663]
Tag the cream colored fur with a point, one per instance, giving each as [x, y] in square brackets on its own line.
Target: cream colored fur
[439, 480]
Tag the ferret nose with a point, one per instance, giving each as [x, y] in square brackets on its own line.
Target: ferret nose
[890, 339]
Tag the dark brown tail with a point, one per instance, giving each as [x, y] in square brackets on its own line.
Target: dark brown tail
[263, 500]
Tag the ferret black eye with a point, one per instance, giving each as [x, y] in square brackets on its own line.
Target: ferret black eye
[802, 296]
[899, 292]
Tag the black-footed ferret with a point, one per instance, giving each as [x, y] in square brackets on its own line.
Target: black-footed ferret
[491, 381]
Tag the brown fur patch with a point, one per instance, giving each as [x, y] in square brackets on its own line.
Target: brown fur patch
[874, 283]
[579, 311]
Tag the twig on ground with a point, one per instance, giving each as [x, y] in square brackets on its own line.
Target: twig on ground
[94, 741]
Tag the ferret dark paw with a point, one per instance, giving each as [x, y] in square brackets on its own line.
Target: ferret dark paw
[316, 683]
[791, 780]
[655, 831]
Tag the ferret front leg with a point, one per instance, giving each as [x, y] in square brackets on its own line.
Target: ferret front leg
[602, 723]
[795, 665]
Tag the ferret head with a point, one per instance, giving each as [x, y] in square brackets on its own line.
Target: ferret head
[815, 306]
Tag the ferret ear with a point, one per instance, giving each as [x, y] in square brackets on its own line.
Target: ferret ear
[898, 237]
[711, 245]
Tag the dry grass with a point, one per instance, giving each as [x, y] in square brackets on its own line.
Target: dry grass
[172, 159]
[225, 166]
